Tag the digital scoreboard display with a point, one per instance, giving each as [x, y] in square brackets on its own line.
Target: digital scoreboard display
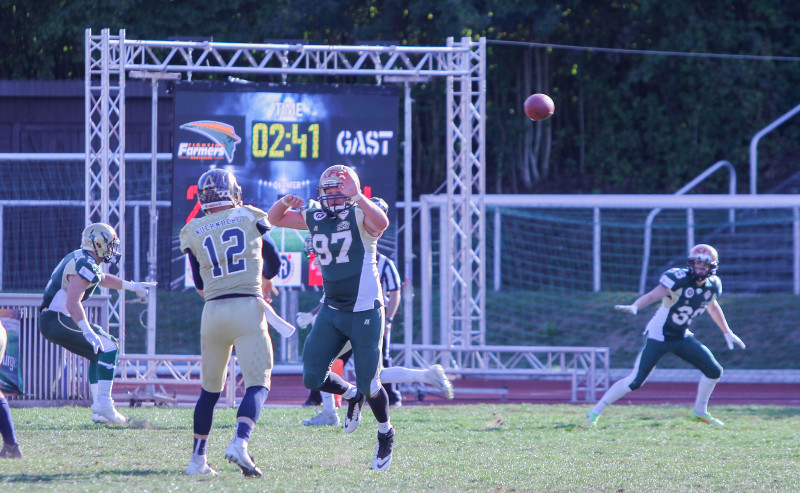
[278, 139]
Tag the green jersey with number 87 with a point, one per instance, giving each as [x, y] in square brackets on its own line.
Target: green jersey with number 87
[685, 302]
[347, 257]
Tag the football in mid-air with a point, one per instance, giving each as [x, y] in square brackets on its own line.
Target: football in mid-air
[539, 107]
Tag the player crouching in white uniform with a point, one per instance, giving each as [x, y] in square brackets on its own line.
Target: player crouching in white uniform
[63, 320]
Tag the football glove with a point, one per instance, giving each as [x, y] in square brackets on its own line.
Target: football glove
[283, 327]
[627, 308]
[304, 319]
[139, 287]
[91, 336]
[732, 339]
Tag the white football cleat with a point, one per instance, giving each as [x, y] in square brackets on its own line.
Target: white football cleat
[99, 419]
[383, 452]
[238, 454]
[438, 379]
[353, 416]
[107, 411]
[198, 466]
[325, 418]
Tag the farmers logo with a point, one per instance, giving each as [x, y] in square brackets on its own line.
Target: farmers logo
[222, 136]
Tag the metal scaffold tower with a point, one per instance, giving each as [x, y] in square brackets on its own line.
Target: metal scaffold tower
[462, 62]
[466, 190]
[105, 147]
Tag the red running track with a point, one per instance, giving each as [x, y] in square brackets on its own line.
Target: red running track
[288, 390]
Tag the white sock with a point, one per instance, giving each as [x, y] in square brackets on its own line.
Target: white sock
[384, 427]
[613, 394]
[350, 392]
[328, 404]
[704, 389]
[104, 391]
[399, 374]
[93, 390]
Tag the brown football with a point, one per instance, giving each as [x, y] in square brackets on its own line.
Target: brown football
[539, 107]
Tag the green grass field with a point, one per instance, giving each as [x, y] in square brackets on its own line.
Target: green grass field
[438, 448]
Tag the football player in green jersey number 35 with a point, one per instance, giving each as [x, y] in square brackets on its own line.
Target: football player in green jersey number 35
[685, 293]
[345, 227]
[64, 322]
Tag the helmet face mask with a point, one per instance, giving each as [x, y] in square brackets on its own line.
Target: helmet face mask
[102, 240]
[218, 188]
[705, 254]
[332, 200]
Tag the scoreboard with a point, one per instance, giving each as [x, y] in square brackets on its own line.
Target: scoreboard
[278, 139]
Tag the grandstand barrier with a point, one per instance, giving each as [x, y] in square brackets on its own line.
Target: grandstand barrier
[158, 378]
[587, 368]
[51, 374]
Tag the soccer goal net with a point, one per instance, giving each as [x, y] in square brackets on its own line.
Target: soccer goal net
[555, 273]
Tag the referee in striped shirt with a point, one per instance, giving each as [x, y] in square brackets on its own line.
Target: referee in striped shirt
[390, 283]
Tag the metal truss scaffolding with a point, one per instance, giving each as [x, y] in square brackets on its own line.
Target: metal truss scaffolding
[105, 147]
[462, 62]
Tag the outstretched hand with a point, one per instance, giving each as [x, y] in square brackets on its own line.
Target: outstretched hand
[627, 308]
[140, 288]
[304, 319]
[731, 339]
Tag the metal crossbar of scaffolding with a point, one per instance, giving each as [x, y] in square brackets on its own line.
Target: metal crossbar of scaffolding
[111, 58]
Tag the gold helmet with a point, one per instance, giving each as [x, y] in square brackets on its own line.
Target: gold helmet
[330, 179]
[703, 253]
[102, 240]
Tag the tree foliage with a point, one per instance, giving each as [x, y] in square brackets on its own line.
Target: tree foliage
[624, 122]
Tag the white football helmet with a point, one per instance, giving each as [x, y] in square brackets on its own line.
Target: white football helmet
[703, 253]
[102, 240]
[335, 202]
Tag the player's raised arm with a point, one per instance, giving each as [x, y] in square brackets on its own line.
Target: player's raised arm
[284, 212]
[654, 295]
[375, 219]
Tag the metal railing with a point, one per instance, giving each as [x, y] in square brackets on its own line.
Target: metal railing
[49, 372]
[587, 368]
[648, 224]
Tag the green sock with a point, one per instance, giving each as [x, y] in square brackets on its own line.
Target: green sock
[93, 372]
[106, 365]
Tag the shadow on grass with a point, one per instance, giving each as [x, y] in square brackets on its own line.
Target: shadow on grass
[74, 477]
[766, 412]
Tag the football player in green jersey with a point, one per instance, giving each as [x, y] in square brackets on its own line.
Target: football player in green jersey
[11, 448]
[345, 227]
[63, 320]
[685, 293]
[233, 260]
